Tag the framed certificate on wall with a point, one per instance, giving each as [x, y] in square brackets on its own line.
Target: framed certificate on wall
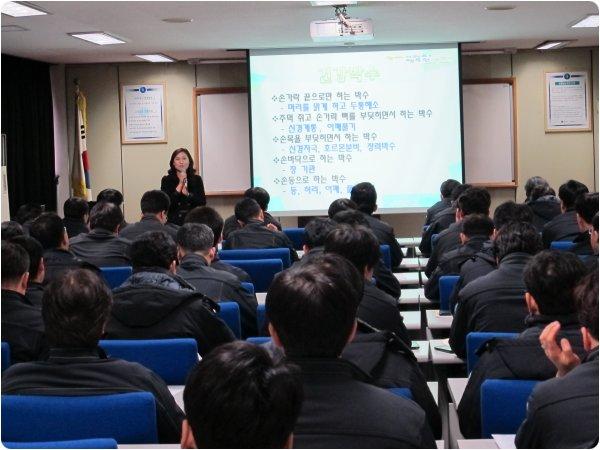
[143, 113]
[567, 101]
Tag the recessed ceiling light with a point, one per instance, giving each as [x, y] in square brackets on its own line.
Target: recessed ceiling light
[156, 57]
[500, 7]
[552, 45]
[6, 28]
[332, 3]
[15, 9]
[590, 21]
[178, 20]
[98, 37]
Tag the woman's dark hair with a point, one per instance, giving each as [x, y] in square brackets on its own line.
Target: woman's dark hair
[190, 171]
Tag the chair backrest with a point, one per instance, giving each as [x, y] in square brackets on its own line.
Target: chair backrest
[230, 314]
[248, 286]
[434, 239]
[296, 235]
[258, 253]
[261, 271]
[171, 359]
[79, 443]
[475, 339]
[261, 317]
[5, 356]
[259, 340]
[504, 405]
[115, 276]
[562, 245]
[401, 392]
[128, 418]
[386, 255]
[446, 286]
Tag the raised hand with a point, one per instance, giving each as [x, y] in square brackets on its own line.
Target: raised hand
[561, 356]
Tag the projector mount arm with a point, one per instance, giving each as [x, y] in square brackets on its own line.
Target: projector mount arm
[342, 15]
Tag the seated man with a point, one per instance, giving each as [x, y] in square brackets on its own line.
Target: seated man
[22, 326]
[591, 262]
[154, 303]
[315, 233]
[476, 230]
[77, 213]
[542, 201]
[365, 197]
[564, 226]
[494, 302]
[154, 205]
[445, 200]
[103, 246]
[195, 252]
[341, 204]
[76, 308]
[340, 409]
[586, 207]
[37, 271]
[27, 213]
[360, 246]
[112, 196]
[563, 411]
[10, 229]
[254, 233]
[262, 197]
[237, 397]
[473, 201]
[550, 278]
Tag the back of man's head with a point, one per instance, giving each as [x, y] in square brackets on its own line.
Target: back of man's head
[195, 237]
[110, 196]
[75, 309]
[535, 182]
[540, 191]
[517, 237]
[259, 194]
[586, 205]
[237, 397]
[569, 191]
[246, 210]
[153, 249]
[48, 229]
[316, 231]
[357, 244]
[312, 307]
[365, 197]
[474, 200]
[154, 202]
[208, 216]
[447, 186]
[15, 263]
[351, 217]
[34, 250]
[586, 300]
[341, 204]
[477, 225]
[11, 229]
[550, 278]
[458, 190]
[28, 211]
[106, 216]
[76, 208]
[512, 212]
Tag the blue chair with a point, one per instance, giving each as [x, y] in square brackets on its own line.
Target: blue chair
[229, 313]
[296, 235]
[5, 356]
[476, 339]
[504, 405]
[248, 286]
[562, 245]
[386, 255]
[401, 392]
[261, 271]
[115, 276]
[128, 418]
[446, 286]
[259, 340]
[434, 239]
[80, 443]
[261, 317]
[258, 253]
[171, 359]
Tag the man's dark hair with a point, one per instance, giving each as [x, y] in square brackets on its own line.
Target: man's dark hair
[107, 216]
[316, 231]
[540, 191]
[261, 196]
[477, 225]
[550, 277]
[15, 262]
[538, 183]
[569, 191]
[365, 197]
[247, 209]
[313, 306]
[154, 202]
[351, 217]
[517, 237]
[238, 397]
[195, 237]
[28, 211]
[586, 301]
[76, 208]
[458, 191]
[447, 187]
[208, 216]
[153, 249]
[341, 204]
[75, 308]
[474, 201]
[10, 229]
[512, 212]
[357, 244]
[48, 229]
[35, 251]
[110, 196]
[586, 205]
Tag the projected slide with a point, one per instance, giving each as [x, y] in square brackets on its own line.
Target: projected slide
[324, 120]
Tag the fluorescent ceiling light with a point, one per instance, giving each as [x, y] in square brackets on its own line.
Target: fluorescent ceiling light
[333, 3]
[552, 45]
[15, 9]
[590, 21]
[98, 37]
[156, 57]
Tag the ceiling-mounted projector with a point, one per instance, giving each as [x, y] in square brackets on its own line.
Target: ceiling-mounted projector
[341, 28]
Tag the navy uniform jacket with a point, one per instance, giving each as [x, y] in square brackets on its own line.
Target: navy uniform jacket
[241, 274]
[440, 222]
[544, 210]
[34, 294]
[57, 261]
[436, 208]
[149, 222]
[380, 311]
[449, 239]
[102, 248]
[385, 234]
[256, 235]
[562, 228]
[231, 224]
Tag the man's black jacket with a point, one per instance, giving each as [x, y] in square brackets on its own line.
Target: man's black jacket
[385, 234]
[34, 294]
[437, 208]
[583, 246]
[256, 235]
[380, 311]
[57, 261]
[102, 248]
[544, 210]
[240, 274]
[440, 222]
[149, 222]
[563, 227]
[449, 239]
[231, 224]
